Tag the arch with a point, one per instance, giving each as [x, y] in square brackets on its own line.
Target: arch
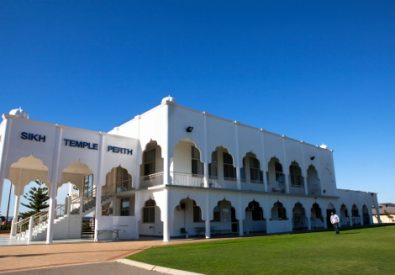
[365, 215]
[187, 158]
[275, 176]
[344, 217]
[224, 218]
[221, 158]
[278, 211]
[25, 170]
[151, 168]
[329, 210]
[313, 181]
[299, 220]
[188, 218]
[316, 220]
[254, 219]
[251, 171]
[150, 223]
[356, 219]
[76, 173]
[295, 174]
[116, 195]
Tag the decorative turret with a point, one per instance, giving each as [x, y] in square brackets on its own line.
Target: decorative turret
[168, 99]
[18, 112]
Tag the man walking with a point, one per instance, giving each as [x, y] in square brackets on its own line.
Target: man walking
[335, 222]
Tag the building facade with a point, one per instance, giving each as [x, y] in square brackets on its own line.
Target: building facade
[174, 172]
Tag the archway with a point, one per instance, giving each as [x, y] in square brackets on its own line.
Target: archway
[150, 223]
[188, 219]
[313, 181]
[299, 221]
[254, 221]
[316, 220]
[151, 168]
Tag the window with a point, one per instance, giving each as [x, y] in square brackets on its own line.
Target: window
[197, 166]
[255, 172]
[256, 211]
[125, 207]
[212, 167]
[217, 214]
[88, 186]
[229, 170]
[149, 162]
[149, 212]
[295, 174]
[197, 213]
[123, 180]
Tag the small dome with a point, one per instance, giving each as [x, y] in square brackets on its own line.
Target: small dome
[18, 112]
[168, 99]
[324, 146]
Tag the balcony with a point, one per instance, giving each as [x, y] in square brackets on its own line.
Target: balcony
[277, 184]
[187, 179]
[151, 180]
[296, 184]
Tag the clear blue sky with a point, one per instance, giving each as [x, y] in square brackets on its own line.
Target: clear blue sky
[319, 71]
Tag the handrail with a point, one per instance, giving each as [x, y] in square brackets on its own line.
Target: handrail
[41, 217]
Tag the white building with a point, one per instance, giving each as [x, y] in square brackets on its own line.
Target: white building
[171, 172]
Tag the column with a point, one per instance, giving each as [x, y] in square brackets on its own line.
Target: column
[98, 184]
[51, 213]
[241, 217]
[263, 161]
[53, 175]
[205, 153]
[237, 157]
[166, 217]
[308, 217]
[285, 166]
[207, 221]
[15, 216]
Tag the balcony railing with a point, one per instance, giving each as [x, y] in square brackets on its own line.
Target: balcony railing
[276, 185]
[186, 179]
[151, 180]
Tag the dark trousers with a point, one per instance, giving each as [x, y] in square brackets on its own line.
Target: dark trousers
[336, 227]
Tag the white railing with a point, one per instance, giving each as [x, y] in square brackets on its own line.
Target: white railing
[186, 179]
[151, 180]
[40, 219]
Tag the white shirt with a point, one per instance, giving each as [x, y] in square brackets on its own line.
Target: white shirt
[335, 219]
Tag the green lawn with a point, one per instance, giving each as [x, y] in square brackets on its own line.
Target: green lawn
[358, 251]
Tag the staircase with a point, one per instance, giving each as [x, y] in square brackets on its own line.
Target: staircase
[36, 226]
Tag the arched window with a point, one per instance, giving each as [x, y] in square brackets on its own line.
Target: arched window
[295, 174]
[279, 212]
[197, 166]
[256, 211]
[197, 213]
[149, 211]
[229, 170]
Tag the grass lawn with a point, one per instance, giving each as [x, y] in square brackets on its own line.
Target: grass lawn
[357, 251]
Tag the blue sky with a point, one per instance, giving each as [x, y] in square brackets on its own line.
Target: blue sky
[319, 71]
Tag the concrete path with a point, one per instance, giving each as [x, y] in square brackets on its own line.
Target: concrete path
[27, 257]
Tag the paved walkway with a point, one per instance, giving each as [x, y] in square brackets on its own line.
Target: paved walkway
[27, 257]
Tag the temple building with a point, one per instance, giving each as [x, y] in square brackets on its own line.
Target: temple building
[172, 172]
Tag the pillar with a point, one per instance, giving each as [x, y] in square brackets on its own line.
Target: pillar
[166, 217]
[98, 183]
[51, 213]
[241, 217]
[15, 216]
[207, 221]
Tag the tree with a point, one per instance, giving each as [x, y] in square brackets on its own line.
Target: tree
[37, 198]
